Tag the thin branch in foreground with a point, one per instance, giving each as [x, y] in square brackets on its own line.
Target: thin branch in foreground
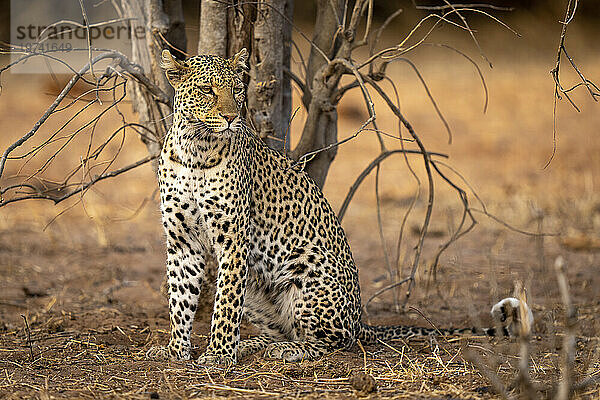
[567, 385]
[559, 90]
[568, 348]
[524, 376]
[491, 376]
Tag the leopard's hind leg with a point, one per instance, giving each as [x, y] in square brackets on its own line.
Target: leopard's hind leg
[297, 350]
[262, 312]
[326, 316]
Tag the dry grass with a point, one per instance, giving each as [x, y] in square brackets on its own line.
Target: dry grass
[105, 362]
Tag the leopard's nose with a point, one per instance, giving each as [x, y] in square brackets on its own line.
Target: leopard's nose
[229, 118]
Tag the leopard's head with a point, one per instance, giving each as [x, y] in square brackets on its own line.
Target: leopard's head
[209, 91]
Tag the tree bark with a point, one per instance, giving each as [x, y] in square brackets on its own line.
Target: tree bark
[320, 128]
[286, 83]
[213, 28]
[176, 32]
[240, 18]
[266, 76]
[161, 20]
[326, 26]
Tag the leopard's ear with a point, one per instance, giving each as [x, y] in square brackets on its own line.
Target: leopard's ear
[238, 61]
[175, 70]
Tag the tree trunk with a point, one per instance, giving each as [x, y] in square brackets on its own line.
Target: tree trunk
[175, 34]
[265, 99]
[162, 21]
[286, 84]
[213, 28]
[320, 128]
[240, 18]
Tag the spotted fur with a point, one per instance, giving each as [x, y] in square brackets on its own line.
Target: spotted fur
[283, 258]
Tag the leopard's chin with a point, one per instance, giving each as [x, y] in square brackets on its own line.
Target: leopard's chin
[201, 130]
[225, 133]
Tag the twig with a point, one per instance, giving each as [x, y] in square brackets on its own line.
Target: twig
[429, 95]
[364, 355]
[566, 367]
[380, 223]
[479, 72]
[239, 390]
[559, 91]
[385, 289]
[472, 5]
[89, 40]
[416, 196]
[524, 378]
[28, 337]
[489, 375]
[430, 193]
[361, 177]
[458, 232]
[58, 199]
[512, 228]
[468, 28]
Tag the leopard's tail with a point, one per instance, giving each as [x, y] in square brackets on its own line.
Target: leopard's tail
[370, 334]
[506, 316]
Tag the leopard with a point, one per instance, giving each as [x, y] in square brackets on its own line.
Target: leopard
[284, 262]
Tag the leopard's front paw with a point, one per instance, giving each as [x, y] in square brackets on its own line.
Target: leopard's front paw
[163, 353]
[216, 360]
[158, 353]
[284, 351]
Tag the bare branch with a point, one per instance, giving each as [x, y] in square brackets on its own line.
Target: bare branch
[430, 193]
[89, 39]
[479, 72]
[361, 177]
[385, 289]
[50, 110]
[58, 199]
[559, 90]
[472, 5]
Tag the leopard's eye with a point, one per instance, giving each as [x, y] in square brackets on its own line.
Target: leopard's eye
[238, 90]
[206, 90]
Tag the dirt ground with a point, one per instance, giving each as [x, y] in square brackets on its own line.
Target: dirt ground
[80, 299]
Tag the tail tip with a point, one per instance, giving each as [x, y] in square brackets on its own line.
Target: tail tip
[513, 315]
